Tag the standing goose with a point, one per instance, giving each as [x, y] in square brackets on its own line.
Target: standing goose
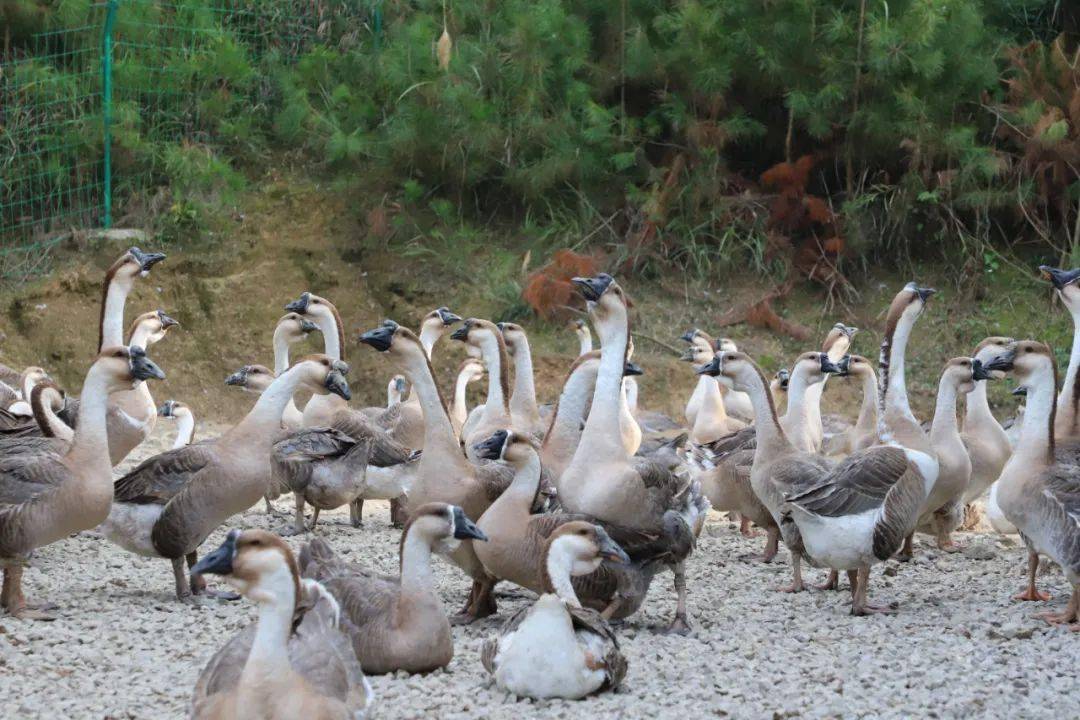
[407, 426]
[584, 336]
[170, 503]
[291, 328]
[864, 433]
[697, 339]
[986, 442]
[1039, 489]
[736, 403]
[778, 388]
[568, 419]
[294, 661]
[603, 480]
[47, 491]
[397, 622]
[1067, 418]
[555, 648]
[495, 412]
[836, 345]
[523, 409]
[444, 474]
[471, 370]
[711, 420]
[185, 421]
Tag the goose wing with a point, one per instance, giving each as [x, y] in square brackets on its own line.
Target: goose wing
[364, 596]
[710, 454]
[12, 425]
[27, 479]
[1057, 509]
[312, 444]
[613, 660]
[859, 483]
[159, 479]
[494, 477]
[665, 487]
[490, 648]
[8, 395]
[385, 451]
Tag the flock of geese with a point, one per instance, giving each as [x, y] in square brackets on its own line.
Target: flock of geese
[583, 502]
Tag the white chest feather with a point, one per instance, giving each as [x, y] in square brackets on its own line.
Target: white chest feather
[129, 526]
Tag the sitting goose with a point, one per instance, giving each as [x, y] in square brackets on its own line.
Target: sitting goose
[16, 398]
[17, 419]
[170, 503]
[48, 490]
[185, 421]
[294, 661]
[1039, 490]
[396, 623]
[555, 648]
[602, 480]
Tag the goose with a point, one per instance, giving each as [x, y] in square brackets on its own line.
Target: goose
[836, 345]
[711, 420]
[524, 412]
[778, 388]
[252, 379]
[737, 404]
[395, 390]
[495, 412]
[568, 418]
[291, 328]
[397, 623]
[407, 423]
[897, 426]
[986, 442]
[15, 398]
[17, 419]
[1038, 491]
[294, 661]
[170, 503]
[47, 491]
[185, 421]
[444, 474]
[581, 329]
[943, 509]
[602, 480]
[1067, 418]
[995, 516]
[471, 370]
[863, 433]
[48, 400]
[555, 648]
[696, 338]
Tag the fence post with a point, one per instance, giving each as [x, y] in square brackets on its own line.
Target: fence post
[106, 104]
[377, 24]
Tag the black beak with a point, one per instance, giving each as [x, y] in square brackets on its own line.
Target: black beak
[399, 384]
[711, 368]
[688, 354]
[593, 288]
[501, 326]
[146, 260]
[337, 384]
[631, 369]
[380, 338]
[1003, 362]
[166, 410]
[1020, 391]
[219, 562]
[609, 549]
[237, 378]
[306, 326]
[299, 305]
[688, 336]
[491, 449]
[142, 367]
[979, 372]
[462, 333]
[464, 528]
[447, 317]
[785, 378]
[1060, 278]
[847, 330]
[829, 367]
[166, 321]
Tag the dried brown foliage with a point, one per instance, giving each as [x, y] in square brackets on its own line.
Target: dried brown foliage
[549, 292]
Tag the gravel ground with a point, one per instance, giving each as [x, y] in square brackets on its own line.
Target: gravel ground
[124, 648]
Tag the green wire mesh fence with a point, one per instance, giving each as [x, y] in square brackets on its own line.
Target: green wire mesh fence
[117, 99]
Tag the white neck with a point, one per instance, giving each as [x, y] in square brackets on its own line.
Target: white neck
[328, 327]
[272, 403]
[574, 399]
[269, 655]
[770, 436]
[185, 428]
[585, 343]
[977, 406]
[281, 364]
[943, 428]
[867, 421]
[416, 576]
[523, 489]
[602, 427]
[429, 335]
[630, 389]
[460, 410]
[523, 400]
[91, 439]
[560, 564]
[1074, 362]
[800, 405]
[489, 348]
[1035, 434]
[112, 320]
[439, 432]
[894, 393]
[393, 397]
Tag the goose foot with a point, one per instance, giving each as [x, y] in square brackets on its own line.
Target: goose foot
[273, 511]
[947, 545]
[746, 529]
[868, 609]
[292, 530]
[679, 626]
[1032, 594]
[796, 586]
[221, 595]
[42, 612]
[1069, 615]
[462, 618]
[831, 583]
[907, 552]
[398, 515]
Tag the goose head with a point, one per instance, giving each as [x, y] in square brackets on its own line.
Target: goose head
[172, 409]
[726, 344]
[256, 563]
[780, 381]
[513, 334]
[150, 328]
[438, 320]
[581, 330]
[31, 377]
[735, 370]
[472, 369]
[314, 308]
[962, 373]
[395, 390]
[132, 264]
[697, 354]
[909, 302]
[294, 327]
[581, 547]
[606, 301]
[251, 378]
[124, 367]
[855, 366]
[838, 340]
[323, 375]
[694, 336]
[631, 369]
[441, 526]
[513, 447]
[1065, 282]
[1029, 361]
[476, 332]
[989, 349]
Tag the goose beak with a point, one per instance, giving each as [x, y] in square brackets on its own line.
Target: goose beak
[146, 260]
[979, 372]
[593, 288]
[1060, 278]
[631, 369]
[300, 305]
[711, 368]
[609, 549]
[1003, 362]
[688, 355]
[464, 528]
[166, 321]
[785, 377]
[448, 318]
[380, 338]
[337, 384]
[1020, 391]
[492, 448]
[142, 367]
[688, 336]
[238, 378]
[848, 331]
[399, 385]
[166, 410]
[219, 562]
[839, 369]
[306, 326]
[462, 333]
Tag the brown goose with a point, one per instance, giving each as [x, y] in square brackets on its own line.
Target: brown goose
[987, 443]
[294, 661]
[50, 489]
[397, 623]
[1067, 417]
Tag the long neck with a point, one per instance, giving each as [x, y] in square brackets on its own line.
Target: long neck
[526, 483]
[1068, 388]
[460, 410]
[281, 364]
[416, 576]
[891, 381]
[602, 427]
[565, 427]
[112, 317]
[799, 415]
[977, 406]
[585, 343]
[185, 428]
[560, 563]
[630, 389]
[269, 655]
[771, 440]
[868, 412]
[91, 442]
[1036, 444]
[328, 326]
[272, 403]
[496, 368]
[51, 425]
[429, 335]
[439, 432]
[523, 401]
[944, 428]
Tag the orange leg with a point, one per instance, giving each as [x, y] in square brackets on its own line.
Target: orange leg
[1069, 615]
[1031, 593]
